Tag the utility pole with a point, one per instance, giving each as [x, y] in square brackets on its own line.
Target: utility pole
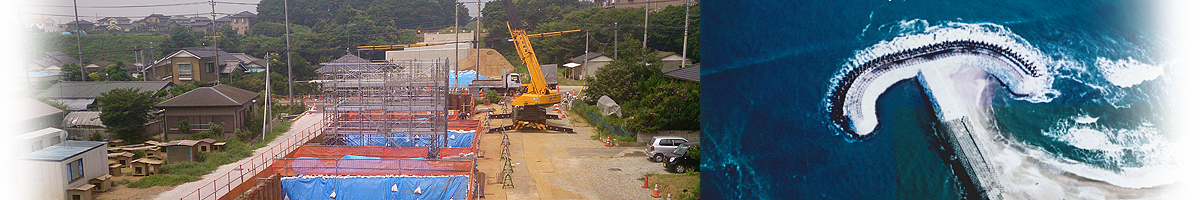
[267, 99]
[478, 20]
[615, 28]
[587, 44]
[78, 44]
[646, 25]
[287, 25]
[456, 44]
[687, 14]
[213, 28]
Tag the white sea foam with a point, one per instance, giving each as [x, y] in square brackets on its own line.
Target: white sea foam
[1085, 119]
[916, 33]
[1127, 72]
[1134, 158]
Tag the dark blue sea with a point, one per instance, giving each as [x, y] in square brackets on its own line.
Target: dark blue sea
[769, 67]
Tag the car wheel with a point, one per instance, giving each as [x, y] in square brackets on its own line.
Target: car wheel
[680, 169]
[658, 158]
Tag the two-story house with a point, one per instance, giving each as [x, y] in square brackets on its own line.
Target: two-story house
[240, 22]
[195, 64]
[115, 23]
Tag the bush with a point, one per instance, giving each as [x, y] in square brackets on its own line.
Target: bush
[185, 127]
[493, 96]
[202, 135]
[162, 180]
[481, 101]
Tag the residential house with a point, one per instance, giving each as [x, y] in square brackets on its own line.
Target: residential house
[221, 104]
[51, 62]
[240, 22]
[671, 61]
[115, 23]
[45, 24]
[251, 63]
[96, 66]
[63, 171]
[38, 115]
[587, 65]
[82, 95]
[199, 24]
[196, 64]
[653, 4]
[690, 73]
[155, 23]
[84, 25]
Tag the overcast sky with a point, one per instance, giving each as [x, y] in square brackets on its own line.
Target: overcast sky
[91, 10]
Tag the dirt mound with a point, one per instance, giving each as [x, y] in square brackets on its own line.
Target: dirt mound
[491, 63]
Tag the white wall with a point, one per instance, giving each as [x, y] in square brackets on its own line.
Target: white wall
[49, 180]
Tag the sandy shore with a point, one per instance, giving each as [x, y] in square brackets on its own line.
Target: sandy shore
[967, 91]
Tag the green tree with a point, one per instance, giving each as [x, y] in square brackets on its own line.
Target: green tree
[624, 79]
[180, 37]
[125, 112]
[70, 72]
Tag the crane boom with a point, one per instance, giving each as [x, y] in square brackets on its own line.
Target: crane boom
[525, 50]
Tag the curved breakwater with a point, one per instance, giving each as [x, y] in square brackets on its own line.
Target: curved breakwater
[853, 99]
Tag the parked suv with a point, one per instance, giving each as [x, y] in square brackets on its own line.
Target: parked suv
[661, 145]
[678, 162]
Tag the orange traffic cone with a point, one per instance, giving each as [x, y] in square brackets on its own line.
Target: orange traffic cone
[655, 195]
[607, 143]
[668, 195]
[647, 183]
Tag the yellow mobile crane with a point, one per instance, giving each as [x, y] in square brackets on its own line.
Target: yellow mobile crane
[533, 98]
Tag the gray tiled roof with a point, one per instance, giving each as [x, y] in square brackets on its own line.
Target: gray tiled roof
[690, 73]
[220, 95]
[64, 150]
[92, 90]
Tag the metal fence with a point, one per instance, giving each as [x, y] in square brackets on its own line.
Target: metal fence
[249, 170]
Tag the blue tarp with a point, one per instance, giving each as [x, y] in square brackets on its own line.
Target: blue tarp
[463, 139]
[464, 78]
[441, 187]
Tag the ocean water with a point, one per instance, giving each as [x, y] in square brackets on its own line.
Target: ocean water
[1099, 115]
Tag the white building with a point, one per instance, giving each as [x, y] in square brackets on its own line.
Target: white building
[62, 171]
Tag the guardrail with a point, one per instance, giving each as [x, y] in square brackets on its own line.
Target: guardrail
[248, 171]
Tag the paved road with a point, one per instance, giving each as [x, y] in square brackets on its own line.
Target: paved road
[183, 190]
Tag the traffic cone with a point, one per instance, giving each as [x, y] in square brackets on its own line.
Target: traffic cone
[647, 183]
[655, 194]
[607, 143]
[668, 195]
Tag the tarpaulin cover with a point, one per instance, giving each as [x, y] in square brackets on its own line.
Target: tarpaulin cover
[457, 139]
[438, 187]
[373, 167]
[333, 152]
[464, 78]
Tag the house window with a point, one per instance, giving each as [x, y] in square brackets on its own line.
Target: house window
[75, 169]
[210, 67]
[185, 69]
[204, 148]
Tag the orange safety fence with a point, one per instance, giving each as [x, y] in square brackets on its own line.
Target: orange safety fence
[372, 167]
[334, 152]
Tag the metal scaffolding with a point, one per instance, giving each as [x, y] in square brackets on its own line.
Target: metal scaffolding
[395, 104]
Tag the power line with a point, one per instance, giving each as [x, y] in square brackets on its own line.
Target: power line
[124, 6]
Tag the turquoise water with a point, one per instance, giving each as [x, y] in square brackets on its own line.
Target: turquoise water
[764, 82]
